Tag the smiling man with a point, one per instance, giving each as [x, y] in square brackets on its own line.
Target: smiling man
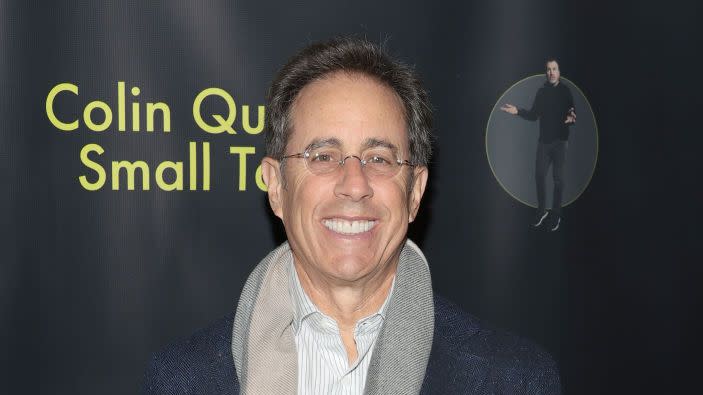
[346, 305]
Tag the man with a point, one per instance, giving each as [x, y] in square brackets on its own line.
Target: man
[554, 107]
[346, 306]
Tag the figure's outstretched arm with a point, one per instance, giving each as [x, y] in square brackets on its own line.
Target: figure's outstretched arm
[535, 112]
[509, 108]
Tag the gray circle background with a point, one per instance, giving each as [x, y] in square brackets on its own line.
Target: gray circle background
[511, 145]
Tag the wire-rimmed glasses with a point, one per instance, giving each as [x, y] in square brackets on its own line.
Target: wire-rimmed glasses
[380, 162]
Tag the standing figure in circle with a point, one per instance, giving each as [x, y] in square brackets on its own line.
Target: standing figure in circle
[554, 107]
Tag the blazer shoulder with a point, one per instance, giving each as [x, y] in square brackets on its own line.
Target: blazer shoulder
[451, 322]
[202, 363]
[486, 356]
[565, 88]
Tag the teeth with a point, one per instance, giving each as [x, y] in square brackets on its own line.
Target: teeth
[348, 227]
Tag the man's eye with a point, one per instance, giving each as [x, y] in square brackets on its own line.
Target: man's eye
[322, 157]
[378, 160]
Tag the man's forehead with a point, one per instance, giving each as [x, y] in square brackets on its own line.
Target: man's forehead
[348, 111]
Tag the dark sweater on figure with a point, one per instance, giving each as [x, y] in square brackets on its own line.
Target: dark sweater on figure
[551, 106]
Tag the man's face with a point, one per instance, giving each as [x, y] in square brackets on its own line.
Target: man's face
[553, 72]
[351, 111]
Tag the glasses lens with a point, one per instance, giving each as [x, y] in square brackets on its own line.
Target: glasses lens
[323, 160]
[381, 162]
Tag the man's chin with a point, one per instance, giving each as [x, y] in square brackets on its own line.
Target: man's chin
[351, 268]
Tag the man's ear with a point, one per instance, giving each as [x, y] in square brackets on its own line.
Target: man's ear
[271, 173]
[420, 174]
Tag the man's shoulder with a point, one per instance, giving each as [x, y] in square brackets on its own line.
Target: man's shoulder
[470, 355]
[563, 87]
[455, 326]
[202, 363]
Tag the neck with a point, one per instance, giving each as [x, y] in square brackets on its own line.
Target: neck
[347, 302]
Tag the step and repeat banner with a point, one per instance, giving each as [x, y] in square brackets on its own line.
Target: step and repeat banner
[133, 205]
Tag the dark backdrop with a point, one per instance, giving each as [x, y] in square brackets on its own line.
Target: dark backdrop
[92, 282]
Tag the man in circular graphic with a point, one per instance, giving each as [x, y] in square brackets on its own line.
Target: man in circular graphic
[554, 107]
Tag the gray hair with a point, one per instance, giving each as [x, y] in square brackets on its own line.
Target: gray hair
[348, 54]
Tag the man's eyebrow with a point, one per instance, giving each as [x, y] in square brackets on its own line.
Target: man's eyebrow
[369, 143]
[375, 143]
[325, 142]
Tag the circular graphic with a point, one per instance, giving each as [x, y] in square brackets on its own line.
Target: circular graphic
[512, 143]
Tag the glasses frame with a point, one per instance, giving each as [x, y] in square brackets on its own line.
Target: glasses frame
[306, 154]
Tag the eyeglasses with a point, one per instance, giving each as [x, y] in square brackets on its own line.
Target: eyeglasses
[380, 162]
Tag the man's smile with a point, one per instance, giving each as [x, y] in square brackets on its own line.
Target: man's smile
[349, 227]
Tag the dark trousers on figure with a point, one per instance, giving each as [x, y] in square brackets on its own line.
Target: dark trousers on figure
[553, 153]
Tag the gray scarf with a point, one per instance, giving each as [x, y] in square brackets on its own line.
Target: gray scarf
[263, 344]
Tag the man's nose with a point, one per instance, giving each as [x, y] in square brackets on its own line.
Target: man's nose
[353, 183]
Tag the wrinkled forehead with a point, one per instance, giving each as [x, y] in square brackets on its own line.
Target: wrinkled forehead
[351, 111]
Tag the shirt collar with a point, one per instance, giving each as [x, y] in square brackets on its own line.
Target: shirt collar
[304, 307]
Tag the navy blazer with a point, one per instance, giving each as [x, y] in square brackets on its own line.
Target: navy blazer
[466, 358]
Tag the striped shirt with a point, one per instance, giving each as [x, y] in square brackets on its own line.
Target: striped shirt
[323, 366]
